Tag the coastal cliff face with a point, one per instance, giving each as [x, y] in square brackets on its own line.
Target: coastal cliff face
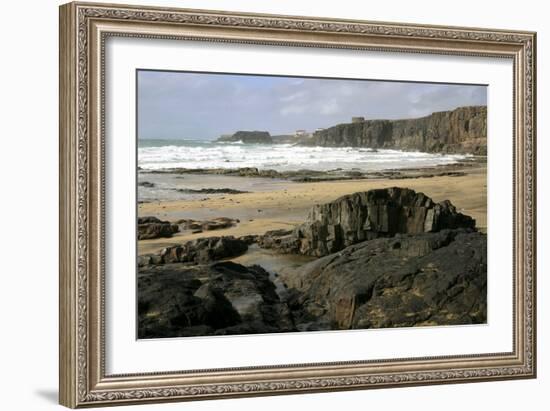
[463, 130]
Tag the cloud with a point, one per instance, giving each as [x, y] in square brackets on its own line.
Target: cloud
[203, 106]
[330, 107]
[293, 97]
[290, 110]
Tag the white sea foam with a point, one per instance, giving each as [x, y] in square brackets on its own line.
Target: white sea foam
[154, 155]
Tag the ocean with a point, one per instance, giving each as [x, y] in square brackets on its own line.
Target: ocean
[156, 154]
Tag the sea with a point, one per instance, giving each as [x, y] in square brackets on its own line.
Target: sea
[193, 154]
[157, 154]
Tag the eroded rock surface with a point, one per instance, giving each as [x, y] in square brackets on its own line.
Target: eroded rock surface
[364, 216]
[387, 258]
[152, 227]
[201, 250]
[207, 225]
[177, 300]
[210, 191]
[408, 280]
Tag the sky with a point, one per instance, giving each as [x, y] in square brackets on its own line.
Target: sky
[183, 105]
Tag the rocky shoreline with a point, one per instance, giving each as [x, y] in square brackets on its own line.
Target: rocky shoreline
[383, 258]
[460, 168]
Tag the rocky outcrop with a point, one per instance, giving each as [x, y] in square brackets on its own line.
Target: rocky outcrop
[364, 216]
[206, 225]
[463, 130]
[338, 174]
[408, 280]
[178, 300]
[152, 227]
[201, 251]
[248, 137]
[210, 191]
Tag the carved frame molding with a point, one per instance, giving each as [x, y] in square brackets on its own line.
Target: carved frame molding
[83, 30]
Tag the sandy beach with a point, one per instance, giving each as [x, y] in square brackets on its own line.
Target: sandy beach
[278, 204]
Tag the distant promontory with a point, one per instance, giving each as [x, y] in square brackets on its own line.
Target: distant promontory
[247, 137]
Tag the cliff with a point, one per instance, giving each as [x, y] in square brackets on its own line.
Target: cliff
[463, 130]
[248, 137]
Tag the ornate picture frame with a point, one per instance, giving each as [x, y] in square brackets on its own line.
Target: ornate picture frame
[84, 28]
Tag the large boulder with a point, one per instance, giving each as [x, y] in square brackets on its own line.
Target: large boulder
[364, 216]
[200, 251]
[408, 280]
[177, 300]
[151, 227]
[207, 225]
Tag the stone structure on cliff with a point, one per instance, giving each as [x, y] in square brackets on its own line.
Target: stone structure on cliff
[364, 216]
[463, 130]
[248, 137]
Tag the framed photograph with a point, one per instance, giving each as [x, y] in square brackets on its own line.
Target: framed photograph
[260, 204]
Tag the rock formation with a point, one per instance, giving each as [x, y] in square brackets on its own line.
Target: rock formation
[152, 227]
[248, 137]
[178, 300]
[463, 130]
[387, 258]
[201, 250]
[206, 225]
[435, 278]
[210, 191]
[364, 216]
[408, 280]
[305, 175]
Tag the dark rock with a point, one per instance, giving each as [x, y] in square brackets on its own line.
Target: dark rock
[364, 216]
[206, 225]
[284, 241]
[305, 176]
[210, 191]
[199, 251]
[463, 130]
[146, 184]
[152, 227]
[248, 137]
[176, 300]
[249, 239]
[144, 260]
[408, 280]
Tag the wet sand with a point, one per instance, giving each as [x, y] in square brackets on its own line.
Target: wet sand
[286, 203]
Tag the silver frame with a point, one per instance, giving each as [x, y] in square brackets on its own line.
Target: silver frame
[84, 27]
